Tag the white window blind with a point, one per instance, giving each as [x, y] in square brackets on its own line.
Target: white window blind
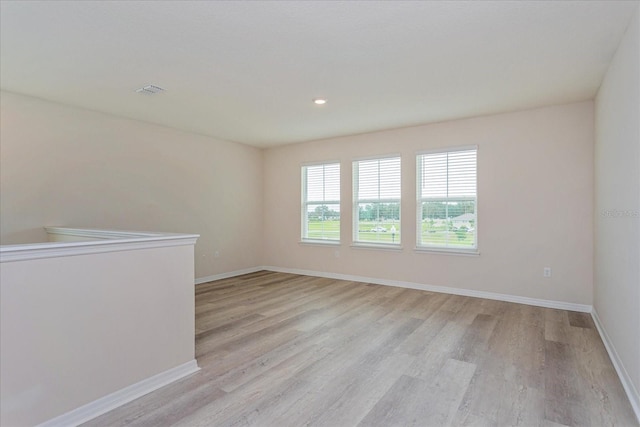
[376, 201]
[321, 202]
[447, 199]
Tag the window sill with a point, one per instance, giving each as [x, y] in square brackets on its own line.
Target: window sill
[443, 251]
[374, 246]
[320, 242]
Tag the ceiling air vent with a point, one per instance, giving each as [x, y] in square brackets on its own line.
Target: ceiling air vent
[150, 90]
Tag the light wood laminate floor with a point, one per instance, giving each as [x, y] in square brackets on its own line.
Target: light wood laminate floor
[287, 350]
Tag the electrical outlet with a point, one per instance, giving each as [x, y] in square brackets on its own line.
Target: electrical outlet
[216, 254]
[336, 254]
[546, 272]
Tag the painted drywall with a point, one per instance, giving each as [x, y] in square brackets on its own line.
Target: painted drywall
[72, 167]
[535, 205]
[77, 328]
[617, 205]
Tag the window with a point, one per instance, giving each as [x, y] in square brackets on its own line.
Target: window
[447, 199]
[321, 202]
[376, 201]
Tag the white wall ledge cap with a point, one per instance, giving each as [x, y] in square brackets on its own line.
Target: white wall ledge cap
[106, 241]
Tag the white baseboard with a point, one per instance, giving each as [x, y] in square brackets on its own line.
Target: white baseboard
[111, 401]
[206, 279]
[441, 289]
[625, 379]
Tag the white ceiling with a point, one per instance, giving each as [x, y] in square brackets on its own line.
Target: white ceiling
[247, 71]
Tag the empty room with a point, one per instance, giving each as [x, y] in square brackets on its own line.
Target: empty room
[319, 213]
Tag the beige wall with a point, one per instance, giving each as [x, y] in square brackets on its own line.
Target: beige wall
[535, 205]
[73, 167]
[74, 329]
[617, 209]
[66, 166]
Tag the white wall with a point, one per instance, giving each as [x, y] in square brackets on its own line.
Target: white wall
[78, 328]
[74, 167]
[535, 205]
[617, 208]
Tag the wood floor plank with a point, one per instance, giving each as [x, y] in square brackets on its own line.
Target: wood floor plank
[431, 359]
[475, 342]
[355, 395]
[181, 397]
[580, 320]
[322, 382]
[233, 407]
[419, 339]
[307, 382]
[279, 349]
[415, 402]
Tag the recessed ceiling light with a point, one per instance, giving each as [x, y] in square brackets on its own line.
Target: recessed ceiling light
[319, 101]
[150, 89]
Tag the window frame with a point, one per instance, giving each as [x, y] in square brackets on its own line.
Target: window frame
[448, 248]
[356, 201]
[304, 230]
